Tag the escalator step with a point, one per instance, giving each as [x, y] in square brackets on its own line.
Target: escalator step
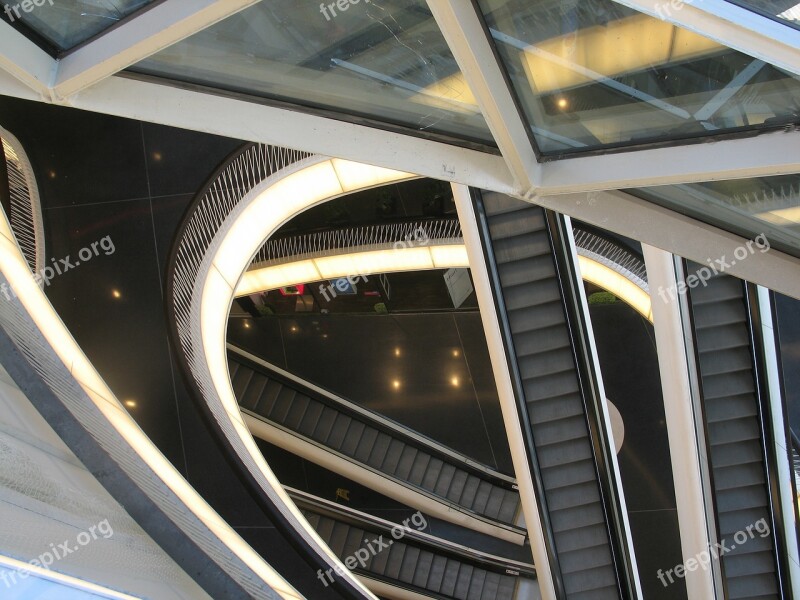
[395, 562]
[366, 444]
[311, 419]
[338, 434]
[282, 406]
[268, 398]
[406, 462]
[393, 456]
[296, 412]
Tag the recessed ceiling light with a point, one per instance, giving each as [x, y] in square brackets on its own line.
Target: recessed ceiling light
[130, 403]
[562, 103]
[455, 381]
[246, 325]
[117, 294]
[396, 384]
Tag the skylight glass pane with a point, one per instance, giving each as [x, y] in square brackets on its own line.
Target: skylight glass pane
[787, 11]
[762, 206]
[384, 60]
[594, 74]
[67, 23]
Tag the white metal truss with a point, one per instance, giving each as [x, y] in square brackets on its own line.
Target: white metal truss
[730, 25]
[464, 33]
[25, 61]
[239, 119]
[773, 153]
[153, 30]
[28, 72]
[684, 236]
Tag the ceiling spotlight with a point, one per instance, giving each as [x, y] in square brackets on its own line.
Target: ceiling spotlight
[456, 353]
[396, 384]
[397, 351]
[117, 294]
[246, 325]
[562, 103]
[130, 403]
[455, 381]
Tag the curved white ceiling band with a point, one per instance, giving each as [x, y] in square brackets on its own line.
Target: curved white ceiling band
[15, 269]
[345, 264]
[256, 217]
[616, 283]
[388, 260]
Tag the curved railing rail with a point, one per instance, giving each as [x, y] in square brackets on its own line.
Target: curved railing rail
[25, 212]
[612, 255]
[411, 233]
[346, 513]
[190, 263]
[227, 188]
[392, 427]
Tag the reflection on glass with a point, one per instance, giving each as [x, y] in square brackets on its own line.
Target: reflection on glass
[385, 59]
[750, 207]
[593, 74]
[68, 23]
[787, 327]
[786, 11]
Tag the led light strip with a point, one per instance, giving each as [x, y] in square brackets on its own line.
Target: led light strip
[388, 260]
[619, 285]
[419, 259]
[15, 269]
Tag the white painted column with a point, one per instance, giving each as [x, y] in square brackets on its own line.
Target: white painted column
[505, 392]
[693, 518]
[784, 466]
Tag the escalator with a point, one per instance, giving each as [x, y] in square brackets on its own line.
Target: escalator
[536, 298]
[465, 492]
[733, 418]
[396, 561]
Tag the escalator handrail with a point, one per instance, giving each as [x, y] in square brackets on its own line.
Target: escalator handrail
[452, 506]
[376, 419]
[367, 521]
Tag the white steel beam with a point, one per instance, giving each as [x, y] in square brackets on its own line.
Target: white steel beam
[25, 61]
[464, 33]
[731, 26]
[668, 230]
[775, 153]
[220, 115]
[154, 29]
